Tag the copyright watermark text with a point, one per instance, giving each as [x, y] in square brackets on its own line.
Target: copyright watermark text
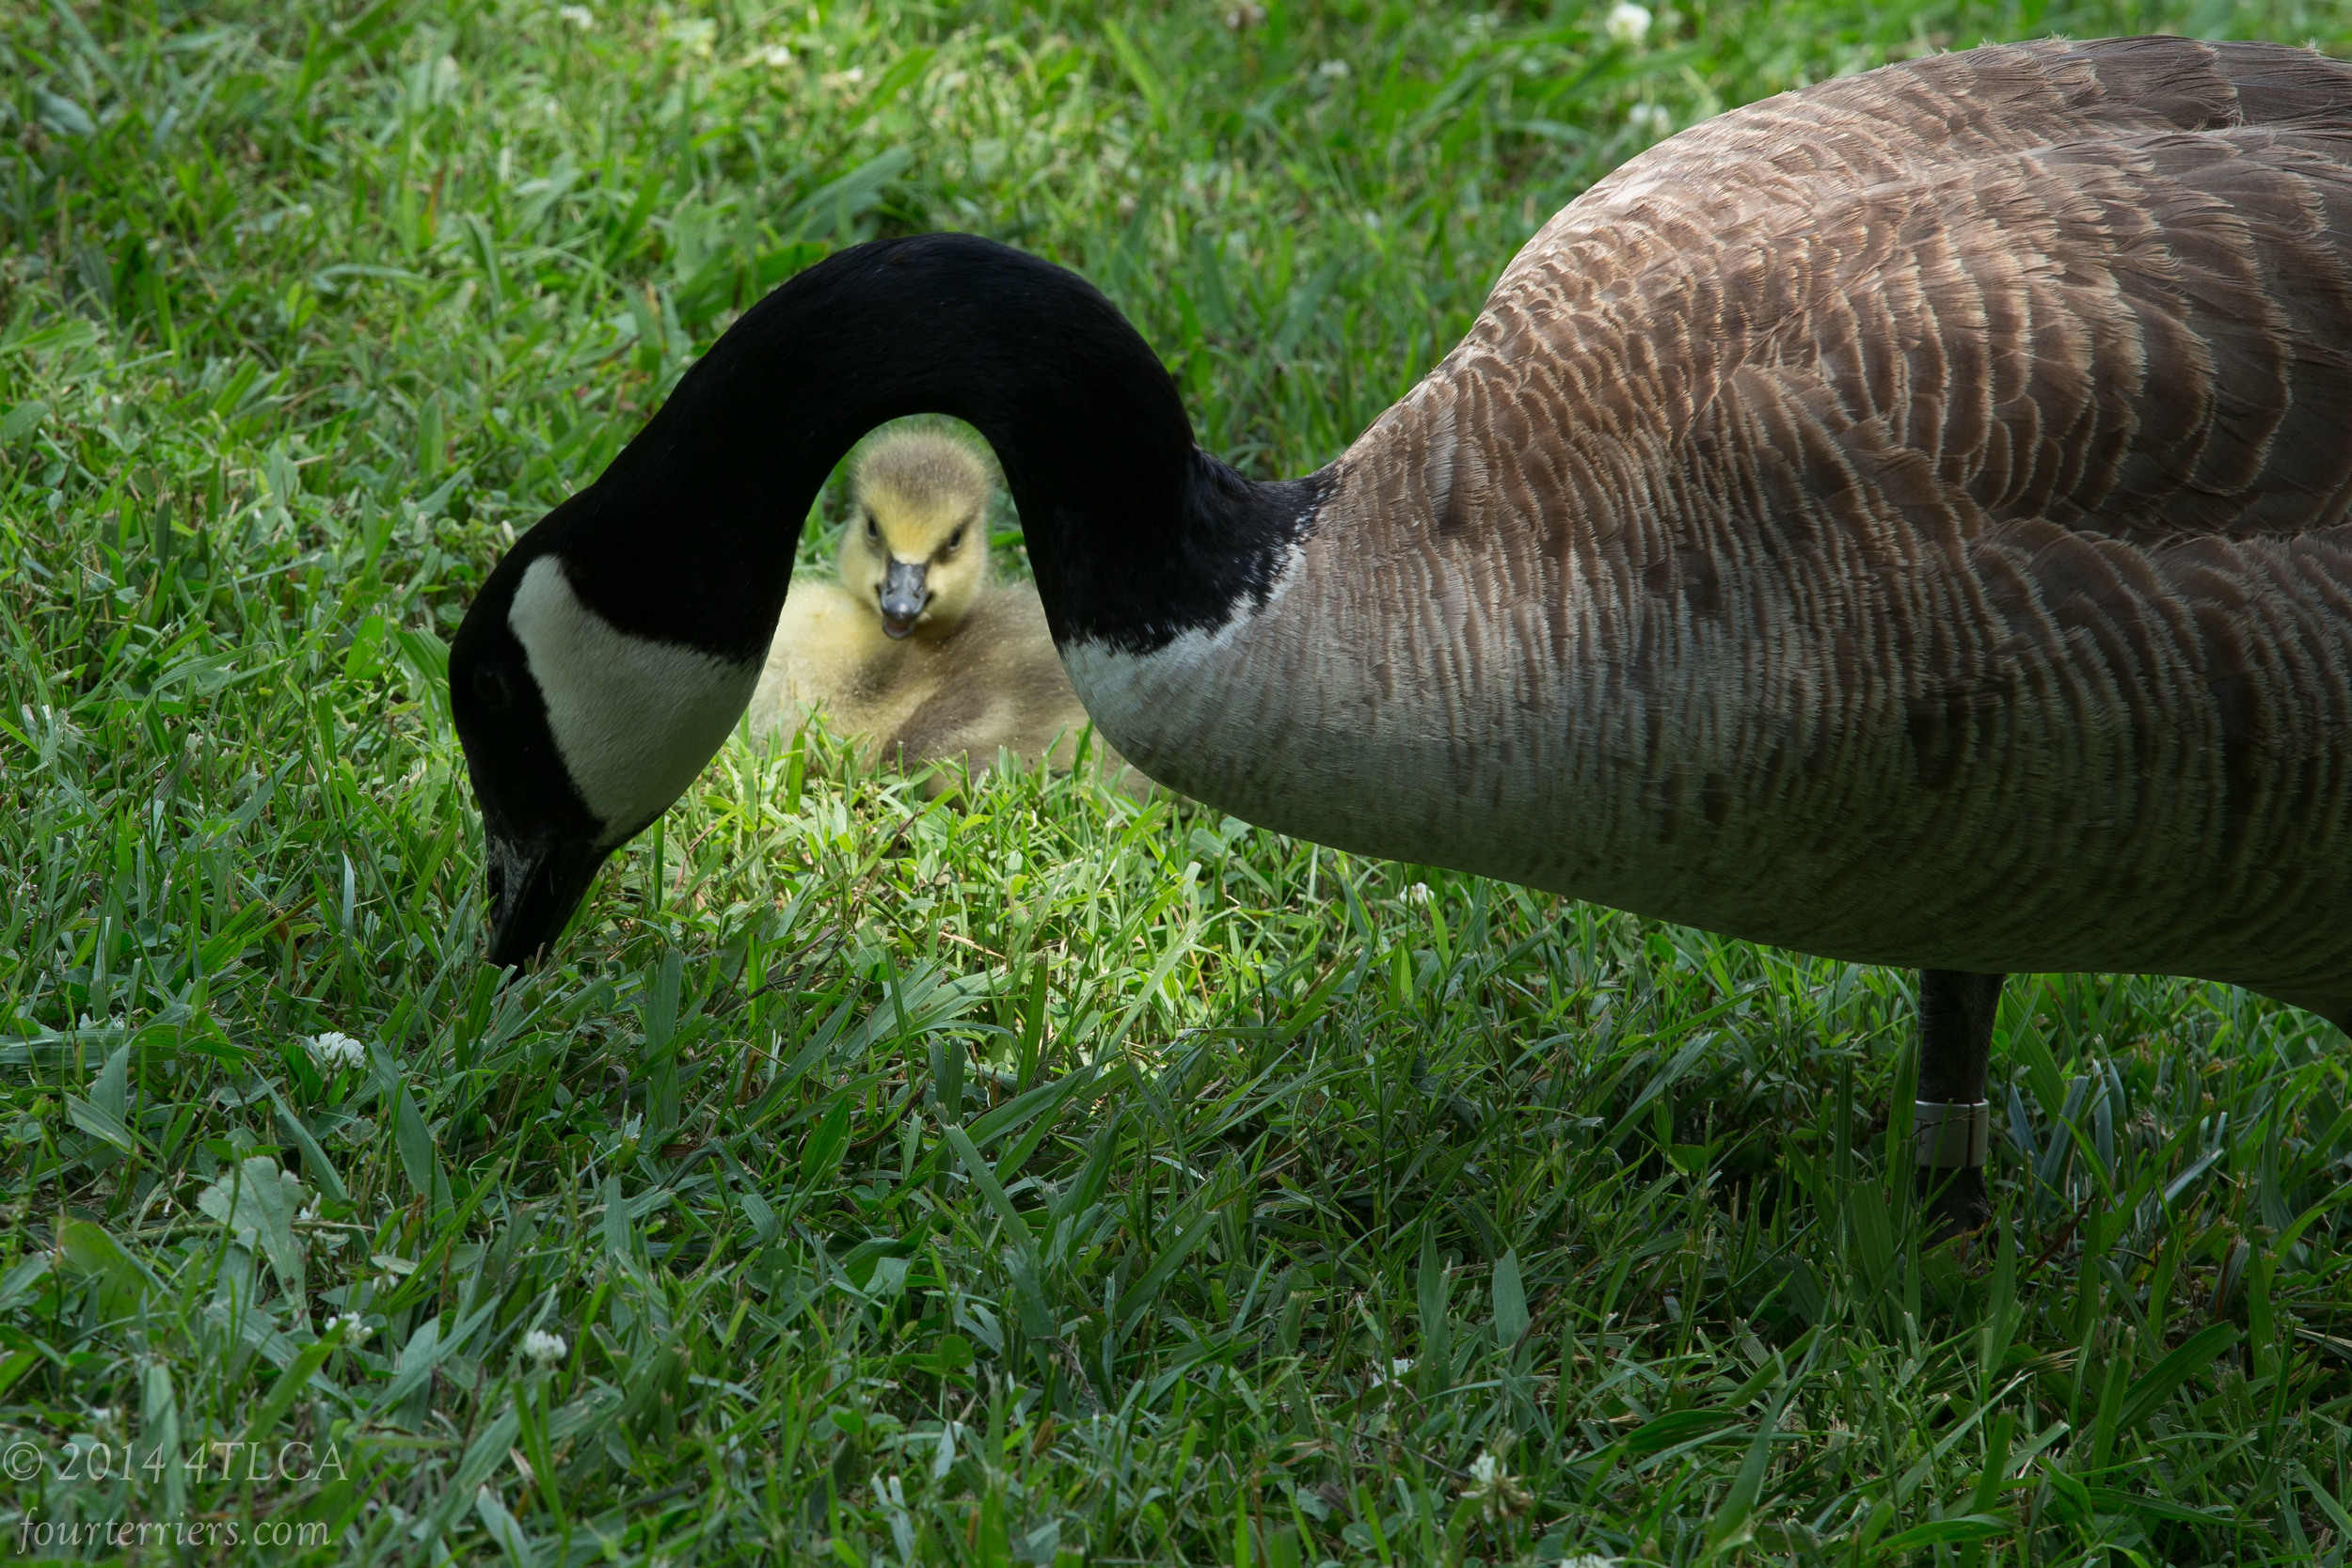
[129, 1470]
[22, 1460]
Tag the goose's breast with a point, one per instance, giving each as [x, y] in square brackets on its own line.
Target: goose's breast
[1443, 706]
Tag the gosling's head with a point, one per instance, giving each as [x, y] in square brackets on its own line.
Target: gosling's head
[915, 550]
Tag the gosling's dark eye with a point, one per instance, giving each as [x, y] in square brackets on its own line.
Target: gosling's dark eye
[873, 531]
[490, 688]
[953, 540]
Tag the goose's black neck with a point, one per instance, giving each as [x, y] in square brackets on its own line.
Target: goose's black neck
[1136, 535]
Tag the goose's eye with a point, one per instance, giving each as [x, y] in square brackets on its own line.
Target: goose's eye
[873, 529]
[953, 540]
[490, 688]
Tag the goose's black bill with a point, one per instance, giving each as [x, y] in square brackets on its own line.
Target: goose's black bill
[536, 884]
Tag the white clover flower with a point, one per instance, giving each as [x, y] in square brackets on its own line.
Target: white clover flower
[336, 1051]
[1650, 119]
[1398, 1371]
[1243, 17]
[775, 57]
[544, 1348]
[579, 16]
[1333, 71]
[350, 1325]
[1495, 1489]
[1417, 894]
[1628, 23]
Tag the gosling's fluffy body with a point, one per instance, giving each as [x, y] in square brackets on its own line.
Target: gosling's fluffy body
[975, 673]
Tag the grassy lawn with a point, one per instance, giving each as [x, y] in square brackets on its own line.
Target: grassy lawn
[1040, 1176]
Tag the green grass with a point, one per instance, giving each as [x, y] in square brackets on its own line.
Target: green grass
[1033, 1177]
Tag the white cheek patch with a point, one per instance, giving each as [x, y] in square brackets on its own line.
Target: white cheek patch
[634, 718]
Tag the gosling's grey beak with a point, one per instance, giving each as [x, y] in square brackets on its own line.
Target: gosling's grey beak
[903, 595]
[534, 886]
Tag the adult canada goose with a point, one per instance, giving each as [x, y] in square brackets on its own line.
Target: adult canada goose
[917, 649]
[1904, 520]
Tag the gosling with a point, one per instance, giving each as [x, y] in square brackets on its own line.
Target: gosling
[917, 652]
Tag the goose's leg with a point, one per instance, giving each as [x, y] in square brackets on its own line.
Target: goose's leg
[1951, 1126]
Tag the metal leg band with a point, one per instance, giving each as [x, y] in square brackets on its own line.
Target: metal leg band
[1948, 1136]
